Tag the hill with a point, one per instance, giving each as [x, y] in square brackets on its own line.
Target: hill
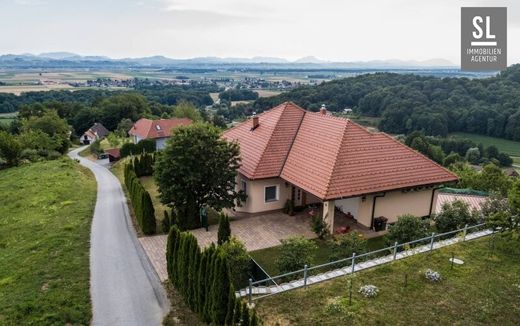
[45, 214]
[409, 102]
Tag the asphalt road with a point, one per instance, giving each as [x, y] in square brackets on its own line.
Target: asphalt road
[124, 288]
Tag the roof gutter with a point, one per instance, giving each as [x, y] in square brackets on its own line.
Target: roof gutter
[431, 201]
[374, 208]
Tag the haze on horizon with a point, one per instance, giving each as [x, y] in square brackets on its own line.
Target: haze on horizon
[334, 30]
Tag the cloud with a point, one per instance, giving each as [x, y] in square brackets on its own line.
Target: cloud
[30, 2]
[221, 7]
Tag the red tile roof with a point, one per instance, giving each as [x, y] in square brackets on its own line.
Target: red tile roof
[114, 152]
[265, 148]
[146, 128]
[330, 157]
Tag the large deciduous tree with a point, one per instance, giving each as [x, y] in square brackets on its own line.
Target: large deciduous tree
[198, 168]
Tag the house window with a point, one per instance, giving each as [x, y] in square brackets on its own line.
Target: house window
[243, 186]
[271, 193]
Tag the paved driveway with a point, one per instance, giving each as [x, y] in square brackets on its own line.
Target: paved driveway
[255, 232]
[123, 285]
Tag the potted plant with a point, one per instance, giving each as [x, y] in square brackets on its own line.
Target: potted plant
[380, 223]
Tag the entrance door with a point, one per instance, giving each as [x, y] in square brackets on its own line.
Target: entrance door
[297, 196]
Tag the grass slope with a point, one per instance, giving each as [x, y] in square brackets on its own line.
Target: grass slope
[45, 215]
[504, 145]
[483, 291]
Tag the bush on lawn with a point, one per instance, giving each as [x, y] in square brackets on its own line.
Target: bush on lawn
[455, 215]
[344, 245]
[295, 253]
[407, 228]
[239, 261]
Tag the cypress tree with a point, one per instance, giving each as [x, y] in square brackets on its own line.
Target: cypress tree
[175, 256]
[220, 290]
[148, 219]
[180, 263]
[173, 238]
[254, 319]
[210, 268]
[231, 306]
[245, 315]
[195, 277]
[201, 283]
[224, 229]
[166, 222]
[237, 314]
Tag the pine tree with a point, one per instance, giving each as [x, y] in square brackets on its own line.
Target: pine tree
[224, 229]
[245, 315]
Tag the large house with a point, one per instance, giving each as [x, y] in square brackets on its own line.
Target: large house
[315, 158]
[158, 130]
[96, 132]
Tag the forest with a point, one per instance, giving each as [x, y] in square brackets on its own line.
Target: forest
[407, 102]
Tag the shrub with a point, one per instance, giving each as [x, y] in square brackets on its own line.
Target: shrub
[407, 228]
[224, 229]
[319, 226]
[288, 208]
[344, 245]
[30, 154]
[245, 319]
[146, 146]
[295, 253]
[239, 261]
[166, 222]
[128, 149]
[148, 214]
[369, 291]
[455, 215]
[432, 276]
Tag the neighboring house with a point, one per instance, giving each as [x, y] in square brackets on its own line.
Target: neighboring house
[158, 130]
[315, 158]
[96, 132]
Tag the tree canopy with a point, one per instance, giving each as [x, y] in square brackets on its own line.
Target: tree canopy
[197, 168]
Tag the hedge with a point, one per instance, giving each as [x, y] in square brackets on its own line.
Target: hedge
[141, 201]
[203, 279]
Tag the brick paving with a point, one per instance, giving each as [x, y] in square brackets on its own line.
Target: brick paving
[256, 232]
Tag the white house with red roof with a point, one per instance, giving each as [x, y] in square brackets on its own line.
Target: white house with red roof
[313, 157]
[158, 130]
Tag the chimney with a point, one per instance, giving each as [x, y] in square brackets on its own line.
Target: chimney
[256, 121]
[323, 109]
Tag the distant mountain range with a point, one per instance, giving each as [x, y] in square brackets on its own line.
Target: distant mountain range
[58, 59]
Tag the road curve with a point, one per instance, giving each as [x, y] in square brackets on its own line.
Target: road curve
[124, 288]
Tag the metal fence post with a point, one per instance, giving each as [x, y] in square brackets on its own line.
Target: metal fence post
[395, 250]
[431, 241]
[305, 276]
[353, 261]
[465, 231]
[250, 294]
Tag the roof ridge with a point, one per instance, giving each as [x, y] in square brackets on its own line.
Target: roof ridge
[271, 134]
[329, 179]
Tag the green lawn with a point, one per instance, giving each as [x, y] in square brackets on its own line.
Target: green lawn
[483, 291]
[267, 257]
[45, 215]
[504, 145]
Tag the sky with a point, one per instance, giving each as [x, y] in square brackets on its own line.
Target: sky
[336, 30]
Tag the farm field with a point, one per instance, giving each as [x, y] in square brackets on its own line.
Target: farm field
[267, 93]
[484, 290]
[504, 145]
[7, 118]
[45, 223]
